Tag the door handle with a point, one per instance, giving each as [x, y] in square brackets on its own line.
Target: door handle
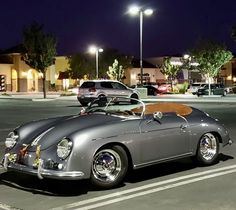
[183, 127]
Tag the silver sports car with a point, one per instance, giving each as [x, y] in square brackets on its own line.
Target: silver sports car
[105, 139]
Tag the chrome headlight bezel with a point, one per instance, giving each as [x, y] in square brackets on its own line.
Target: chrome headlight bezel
[11, 140]
[64, 148]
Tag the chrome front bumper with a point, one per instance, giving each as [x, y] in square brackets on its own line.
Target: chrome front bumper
[40, 171]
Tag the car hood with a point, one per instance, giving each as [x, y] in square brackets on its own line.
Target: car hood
[51, 131]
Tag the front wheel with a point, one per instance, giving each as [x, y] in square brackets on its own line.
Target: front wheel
[109, 167]
[208, 149]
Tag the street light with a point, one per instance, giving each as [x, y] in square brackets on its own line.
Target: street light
[135, 10]
[96, 50]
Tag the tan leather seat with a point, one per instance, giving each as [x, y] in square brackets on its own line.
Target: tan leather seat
[179, 109]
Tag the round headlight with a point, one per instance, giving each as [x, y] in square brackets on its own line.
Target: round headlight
[64, 148]
[11, 140]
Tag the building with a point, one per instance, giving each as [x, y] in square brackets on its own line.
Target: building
[17, 76]
[151, 74]
[227, 74]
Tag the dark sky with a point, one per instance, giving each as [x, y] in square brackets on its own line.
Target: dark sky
[174, 27]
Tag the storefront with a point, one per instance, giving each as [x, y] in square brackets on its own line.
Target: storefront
[17, 76]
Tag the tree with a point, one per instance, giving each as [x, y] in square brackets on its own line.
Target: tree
[210, 56]
[116, 71]
[81, 64]
[39, 50]
[170, 70]
[234, 33]
[108, 56]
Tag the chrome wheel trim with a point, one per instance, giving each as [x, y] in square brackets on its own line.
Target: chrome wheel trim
[106, 165]
[208, 146]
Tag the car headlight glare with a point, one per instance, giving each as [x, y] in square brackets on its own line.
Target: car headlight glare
[11, 140]
[64, 148]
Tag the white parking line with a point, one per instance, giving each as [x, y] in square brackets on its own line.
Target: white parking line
[155, 190]
[6, 129]
[147, 189]
[6, 207]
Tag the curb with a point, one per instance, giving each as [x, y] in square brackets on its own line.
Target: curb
[151, 99]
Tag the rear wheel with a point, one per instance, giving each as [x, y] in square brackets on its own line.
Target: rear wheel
[208, 149]
[109, 167]
[102, 100]
[83, 103]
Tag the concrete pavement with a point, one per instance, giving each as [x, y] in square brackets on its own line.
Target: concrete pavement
[230, 98]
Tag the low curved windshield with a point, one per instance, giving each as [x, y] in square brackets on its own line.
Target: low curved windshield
[118, 106]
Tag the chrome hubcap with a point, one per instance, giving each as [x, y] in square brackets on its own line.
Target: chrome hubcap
[208, 146]
[106, 165]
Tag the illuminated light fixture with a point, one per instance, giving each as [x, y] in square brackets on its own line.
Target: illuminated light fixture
[187, 56]
[148, 12]
[24, 74]
[229, 77]
[194, 64]
[40, 74]
[96, 50]
[136, 10]
[56, 76]
[176, 63]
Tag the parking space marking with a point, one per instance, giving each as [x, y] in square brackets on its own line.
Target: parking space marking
[93, 206]
[6, 129]
[147, 189]
[7, 207]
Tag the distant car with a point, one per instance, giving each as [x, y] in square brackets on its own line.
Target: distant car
[216, 89]
[164, 88]
[102, 143]
[194, 87]
[151, 90]
[154, 84]
[93, 89]
[231, 89]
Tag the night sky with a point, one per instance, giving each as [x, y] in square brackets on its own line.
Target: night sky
[174, 27]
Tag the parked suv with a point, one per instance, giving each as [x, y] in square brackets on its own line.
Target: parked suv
[195, 86]
[92, 89]
[216, 89]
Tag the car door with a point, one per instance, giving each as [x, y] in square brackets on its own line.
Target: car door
[106, 88]
[164, 138]
[120, 90]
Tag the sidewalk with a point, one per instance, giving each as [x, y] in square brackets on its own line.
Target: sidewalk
[31, 96]
[230, 98]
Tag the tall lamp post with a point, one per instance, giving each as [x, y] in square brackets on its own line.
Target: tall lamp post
[135, 10]
[96, 50]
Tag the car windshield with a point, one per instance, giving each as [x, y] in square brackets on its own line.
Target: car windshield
[88, 85]
[117, 106]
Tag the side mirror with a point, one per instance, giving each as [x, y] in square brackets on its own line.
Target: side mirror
[157, 115]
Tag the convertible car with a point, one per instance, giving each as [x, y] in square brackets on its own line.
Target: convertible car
[102, 142]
